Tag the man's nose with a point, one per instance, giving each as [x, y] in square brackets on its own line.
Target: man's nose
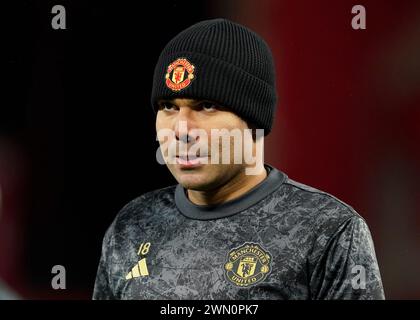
[184, 123]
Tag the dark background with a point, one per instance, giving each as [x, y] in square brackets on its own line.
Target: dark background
[77, 138]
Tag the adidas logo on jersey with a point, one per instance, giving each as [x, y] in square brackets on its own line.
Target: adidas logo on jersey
[139, 270]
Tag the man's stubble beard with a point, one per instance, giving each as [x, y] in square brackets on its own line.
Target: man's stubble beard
[207, 181]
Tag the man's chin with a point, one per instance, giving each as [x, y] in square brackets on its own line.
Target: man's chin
[198, 180]
[191, 182]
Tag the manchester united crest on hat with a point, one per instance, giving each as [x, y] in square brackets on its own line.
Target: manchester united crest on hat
[248, 265]
[179, 74]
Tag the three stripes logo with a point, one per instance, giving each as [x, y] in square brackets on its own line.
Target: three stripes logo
[140, 269]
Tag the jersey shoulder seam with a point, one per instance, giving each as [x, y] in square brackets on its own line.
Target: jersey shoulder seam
[313, 190]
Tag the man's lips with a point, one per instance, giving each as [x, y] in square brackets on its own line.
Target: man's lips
[190, 160]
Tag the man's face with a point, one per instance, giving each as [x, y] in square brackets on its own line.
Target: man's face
[185, 117]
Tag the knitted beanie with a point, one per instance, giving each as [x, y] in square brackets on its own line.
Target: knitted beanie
[220, 61]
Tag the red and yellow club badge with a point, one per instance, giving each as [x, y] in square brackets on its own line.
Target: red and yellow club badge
[179, 74]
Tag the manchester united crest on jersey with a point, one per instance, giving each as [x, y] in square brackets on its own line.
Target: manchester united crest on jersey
[248, 265]
[179, 74]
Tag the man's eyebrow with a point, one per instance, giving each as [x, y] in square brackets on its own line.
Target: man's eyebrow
[196, 103]
[162, 102]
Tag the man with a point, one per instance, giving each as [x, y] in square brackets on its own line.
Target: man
[230, 229]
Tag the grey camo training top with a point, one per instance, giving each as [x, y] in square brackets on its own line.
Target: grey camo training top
[280, 240]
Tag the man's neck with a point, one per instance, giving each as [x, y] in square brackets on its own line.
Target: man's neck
[236, 187]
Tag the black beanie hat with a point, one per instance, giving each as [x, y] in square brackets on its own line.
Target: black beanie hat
[220, 61]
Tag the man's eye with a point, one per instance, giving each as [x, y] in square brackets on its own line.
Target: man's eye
[208, 106]
[165, 106]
